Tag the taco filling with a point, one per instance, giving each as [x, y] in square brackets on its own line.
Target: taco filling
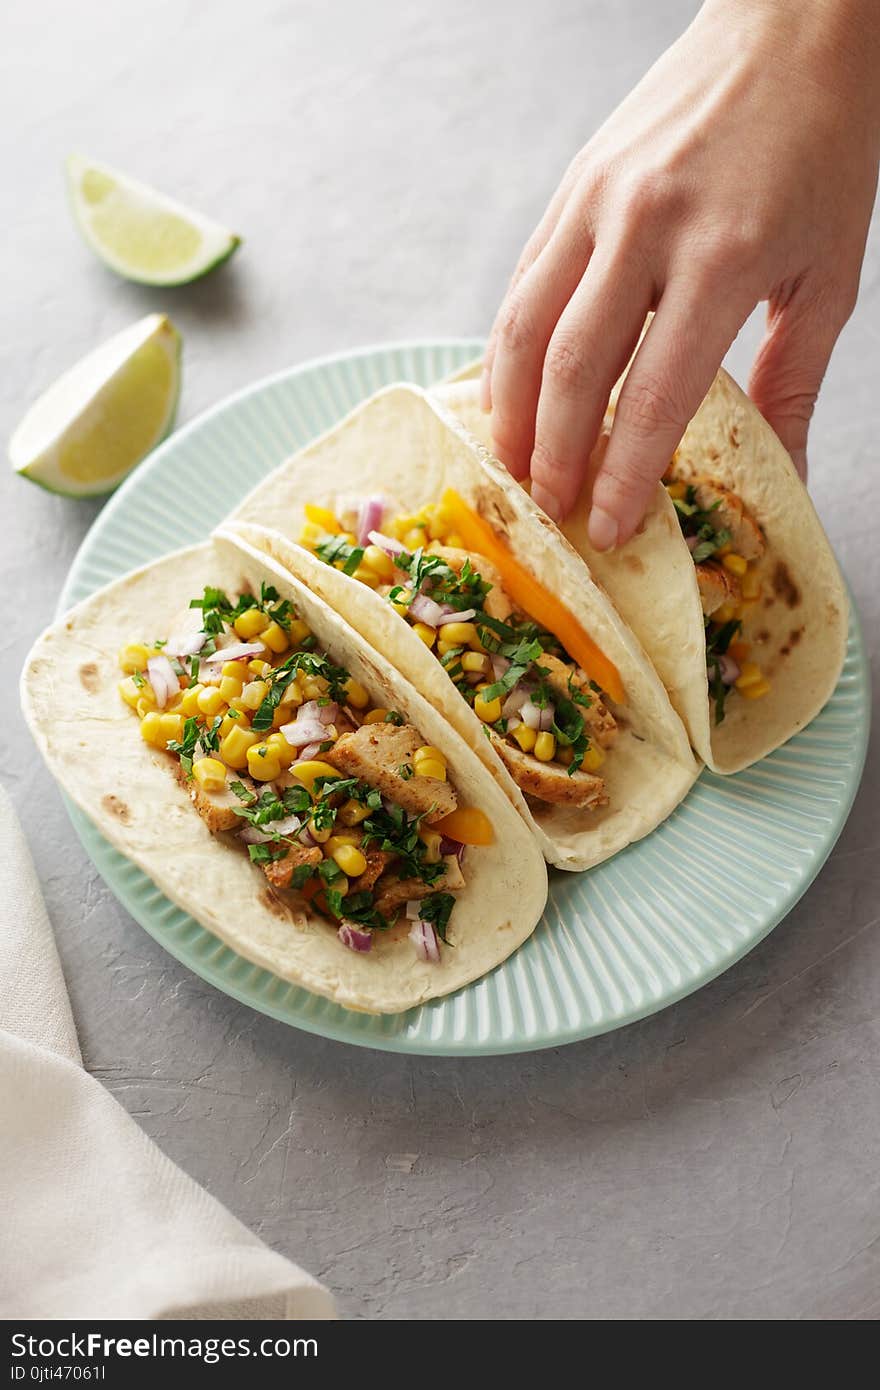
[340, 804]
[726, 544]
[547, 718]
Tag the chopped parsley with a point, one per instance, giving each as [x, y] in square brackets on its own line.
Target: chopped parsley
[310, 664]
[437, 909]
[337, 551]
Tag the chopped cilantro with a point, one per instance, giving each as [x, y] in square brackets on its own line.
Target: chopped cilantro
[311, 664]
[336, 551]
[437, 909]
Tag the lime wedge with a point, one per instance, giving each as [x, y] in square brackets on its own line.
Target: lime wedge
[140, 233]
[97, 421]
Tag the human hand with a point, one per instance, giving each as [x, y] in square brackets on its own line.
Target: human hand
[742, 168]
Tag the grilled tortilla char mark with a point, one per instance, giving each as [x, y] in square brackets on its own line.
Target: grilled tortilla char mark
[600, 722]
[280, 871]
[717, 586]
[496, 603]
[392, 893]
[375, 753]
[729, 514]
[550, 781]
[217, 809]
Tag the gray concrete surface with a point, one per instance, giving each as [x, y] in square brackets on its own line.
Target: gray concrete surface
[385, 163]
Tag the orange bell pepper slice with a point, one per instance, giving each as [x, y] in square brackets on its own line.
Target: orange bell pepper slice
[529, 594]
[468, 824]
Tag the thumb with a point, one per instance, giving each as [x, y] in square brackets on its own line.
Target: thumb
[789, 366]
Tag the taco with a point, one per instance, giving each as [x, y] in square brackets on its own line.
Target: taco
[450, 572]
[730, 584]
[281, 782]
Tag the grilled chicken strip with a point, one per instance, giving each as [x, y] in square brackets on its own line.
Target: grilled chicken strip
[746, 536]
[717, 586]
[600, 722]
[376, 752]
[392, 893]
[496, 604]
[280, 871]
[217, 809]
[550, 781]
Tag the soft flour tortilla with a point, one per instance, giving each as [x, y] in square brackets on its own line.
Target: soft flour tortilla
[92, 745]
[799, 627]
[401, 444]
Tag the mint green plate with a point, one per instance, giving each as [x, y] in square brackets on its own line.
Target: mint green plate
[616, 943]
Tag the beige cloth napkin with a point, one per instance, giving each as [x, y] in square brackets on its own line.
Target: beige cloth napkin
[94, 1220]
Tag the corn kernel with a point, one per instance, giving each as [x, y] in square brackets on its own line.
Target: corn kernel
[145, 704]
[299, 632]
[350, 860]
[428, 751]
[525, 737]
[189, 704]
[131, 692]
[736, 564]
[750, 674]
[454, 541]
[428, 767]
[211, 701]
[292, 694]
[263, 766]
[355, 694]
[310, 534]
[259, 668]
[234, 669]
[210, 774]
[414, 538]
[487, 710]
[545, 746]
[677, 491]
[230, 687]
[320, 834]
[281, 749]
[313, 687]
[234, 719]
[323, 517]
[363, 575]
[475, 661]
[756, 691]
[235, 746]
[425, 633]
[275, 638]
[310, 769]
[250, 624]
[401, 604]
[349, 537]
[352, 813]
[171, 726]
[444, 647]
[283, 715]
[751, 586]
[133, 658]
[727, 613]
[565, 756]
[151, 729]
[380, 563]
[593, 758]
[333, 842]
[376, 716]
[438, 522]
[253, 694]
[459, 634]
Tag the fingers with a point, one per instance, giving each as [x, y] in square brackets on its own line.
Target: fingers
[671, 373]
[790, 363]
[531, 315]
[588, 350]
[532, 250]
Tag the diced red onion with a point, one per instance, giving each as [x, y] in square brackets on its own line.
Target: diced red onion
[303, 732]
[547, 717]
[310, 750]
[424, 938]
[425, 610]
[369, 518]
[386, 543]
[327, 713]
[354, 938]
[456, 616]
[514, 702]
[500, 664]
[238, 651]
[730, 671]
[163, 679]
[692, 542]
[450, 846]
[413, 908]
[513, 722]
[288, 826]
[253, 835]
[185, 643]
[531, 715]
[306, 837]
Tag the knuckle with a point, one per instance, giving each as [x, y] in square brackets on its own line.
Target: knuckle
[547, 467]
[649, 407]
[517, 326]
[566, 368]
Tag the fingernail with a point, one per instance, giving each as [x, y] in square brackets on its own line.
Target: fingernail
[547, 501]
[603, 529]
[486, 390]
